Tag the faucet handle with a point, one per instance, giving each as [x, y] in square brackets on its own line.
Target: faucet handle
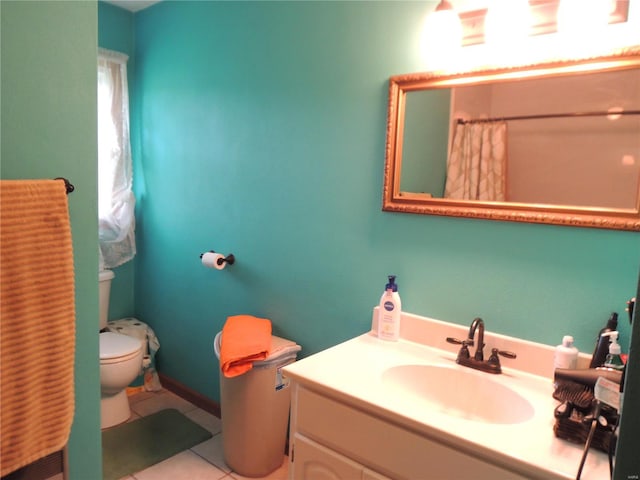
[464, 350]
[505, 353]
[465, 343]
[494, 360]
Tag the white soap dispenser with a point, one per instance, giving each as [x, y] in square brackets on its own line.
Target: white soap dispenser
[389, 312]
[566, 355]
[613, 359]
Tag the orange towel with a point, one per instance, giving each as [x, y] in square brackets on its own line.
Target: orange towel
[245, 339]
[37, 332]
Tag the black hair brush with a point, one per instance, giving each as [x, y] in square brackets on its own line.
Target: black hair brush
[576, 386]
[572, 395]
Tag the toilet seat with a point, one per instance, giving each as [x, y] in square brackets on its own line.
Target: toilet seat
[116, 347]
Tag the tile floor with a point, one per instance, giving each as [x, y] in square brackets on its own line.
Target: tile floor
[203, 461]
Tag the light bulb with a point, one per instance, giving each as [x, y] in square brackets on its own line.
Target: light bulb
[582, 26]
[442, 37]
[578, 17]
[614, 113]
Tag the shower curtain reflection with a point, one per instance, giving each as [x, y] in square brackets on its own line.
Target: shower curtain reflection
[477, 165]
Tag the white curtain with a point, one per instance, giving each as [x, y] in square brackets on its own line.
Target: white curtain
[115, 195]
[477, 166]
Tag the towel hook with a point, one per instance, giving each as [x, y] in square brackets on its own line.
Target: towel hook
[67, 184]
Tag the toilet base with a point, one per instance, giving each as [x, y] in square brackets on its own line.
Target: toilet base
[114, 409]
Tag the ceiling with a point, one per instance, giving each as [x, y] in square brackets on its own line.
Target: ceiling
[132, 5]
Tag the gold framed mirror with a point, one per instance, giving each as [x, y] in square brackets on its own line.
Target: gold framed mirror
[518, 121]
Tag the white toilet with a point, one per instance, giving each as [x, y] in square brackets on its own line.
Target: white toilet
[120, 363]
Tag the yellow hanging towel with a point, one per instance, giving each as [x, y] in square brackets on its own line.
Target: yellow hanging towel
[37, 321]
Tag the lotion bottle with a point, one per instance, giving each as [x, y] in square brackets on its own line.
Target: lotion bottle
[566, 355]
[389, 312]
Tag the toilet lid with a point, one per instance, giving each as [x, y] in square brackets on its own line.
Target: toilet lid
[114, 345]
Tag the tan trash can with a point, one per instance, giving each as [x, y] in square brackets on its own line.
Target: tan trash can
[255, 411]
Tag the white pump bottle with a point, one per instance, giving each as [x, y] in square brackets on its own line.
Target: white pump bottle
[613, 359]
[389, 312]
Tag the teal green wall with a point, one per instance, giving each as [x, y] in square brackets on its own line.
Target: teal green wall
[426, 136]
[262, 133]
[116, 32]
[49, 130]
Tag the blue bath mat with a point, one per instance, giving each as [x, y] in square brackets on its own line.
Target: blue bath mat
[134, 446]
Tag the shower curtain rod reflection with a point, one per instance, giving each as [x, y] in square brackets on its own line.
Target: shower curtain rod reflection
[613, 115]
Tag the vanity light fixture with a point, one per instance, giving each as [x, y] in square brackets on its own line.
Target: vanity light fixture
[442, 35]
[547, 16]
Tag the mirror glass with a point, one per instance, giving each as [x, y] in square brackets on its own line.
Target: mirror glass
[552, 143]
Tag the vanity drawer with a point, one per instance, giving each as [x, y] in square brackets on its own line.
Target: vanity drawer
[385, 447]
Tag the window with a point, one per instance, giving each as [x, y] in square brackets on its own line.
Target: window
[115, 195]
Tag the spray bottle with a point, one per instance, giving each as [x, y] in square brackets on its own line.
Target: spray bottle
[602, 342]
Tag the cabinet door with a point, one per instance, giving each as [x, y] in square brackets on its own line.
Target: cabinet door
[312, 461]
[403, 453]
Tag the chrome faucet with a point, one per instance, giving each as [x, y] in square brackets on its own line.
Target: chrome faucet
[492, 365]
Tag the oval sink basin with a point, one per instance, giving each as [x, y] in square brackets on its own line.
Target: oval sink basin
[469, 394]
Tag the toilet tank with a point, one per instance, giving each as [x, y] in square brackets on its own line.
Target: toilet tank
[105, 278]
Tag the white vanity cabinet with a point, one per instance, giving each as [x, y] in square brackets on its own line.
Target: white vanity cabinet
[331, 439]
[355, 417]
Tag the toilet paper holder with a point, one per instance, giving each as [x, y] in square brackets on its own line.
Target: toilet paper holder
[220, 261]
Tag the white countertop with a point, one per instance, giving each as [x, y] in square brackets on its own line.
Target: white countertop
[352, 372]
